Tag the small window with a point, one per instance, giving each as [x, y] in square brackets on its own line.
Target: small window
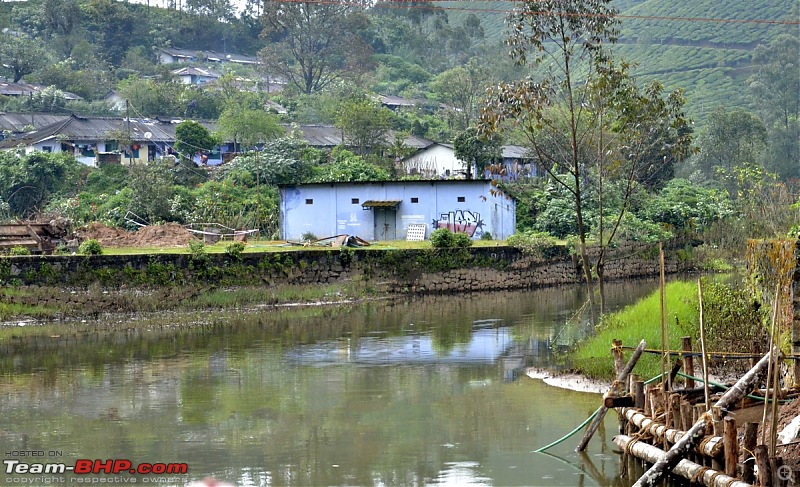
[47, 148]
[461, 199]
[415, 200]
[354, 201]
[309, 201]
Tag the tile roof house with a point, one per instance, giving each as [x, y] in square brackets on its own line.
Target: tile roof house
[170, 55]
[25, 89]
[192, 75]
[16, 123]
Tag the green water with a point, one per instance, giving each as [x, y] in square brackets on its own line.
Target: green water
[419, 392]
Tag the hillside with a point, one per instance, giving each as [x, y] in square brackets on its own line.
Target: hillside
[703, 47]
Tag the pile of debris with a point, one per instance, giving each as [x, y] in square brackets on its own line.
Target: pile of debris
[166, 235]
[41, 238]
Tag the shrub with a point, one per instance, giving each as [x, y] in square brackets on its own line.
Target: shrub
[234, 250]
[198, 253]
[462, 240]
[442, 238]
[19, 250]
[532, 242]
[90, 247]
[486, 236]
[308, 237]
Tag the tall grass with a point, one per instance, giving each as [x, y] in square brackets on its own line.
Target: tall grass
[640, 321]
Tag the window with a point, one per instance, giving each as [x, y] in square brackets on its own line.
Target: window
[309, 201]
[111, 146]
[415, 200]
[461, 199]
[47, 148]
[354, 201]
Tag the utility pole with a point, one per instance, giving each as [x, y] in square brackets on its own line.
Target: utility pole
[130, 144]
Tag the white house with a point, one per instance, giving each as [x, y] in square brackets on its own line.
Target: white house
[192, 75]
[435, 161]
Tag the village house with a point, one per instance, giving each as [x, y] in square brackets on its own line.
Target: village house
[387, 210]
[192, 75]
[440, 161]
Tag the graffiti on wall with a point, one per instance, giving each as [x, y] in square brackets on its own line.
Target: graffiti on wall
[463, 221]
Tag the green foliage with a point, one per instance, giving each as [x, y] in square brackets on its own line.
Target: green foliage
[27, 183]
[198, 255]
[247, 127]
[90, 247]
[532, 242]
[234, 250]
[287, 160]
[684, 205]
[477, 149]
[308, 237]
[486, 236]
[19, 250]
[364, 125]
[733, 319]
[444, 238]
[191, 138]
[348, 167]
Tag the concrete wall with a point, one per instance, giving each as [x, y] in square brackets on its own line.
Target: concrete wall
[431, 270]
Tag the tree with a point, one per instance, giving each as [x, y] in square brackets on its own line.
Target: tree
[585, 115]
[462, 89]
[313, 44]
[219, 10]
[364, 125]
[247, 126]
[347, 167]
[475, 150]
[20, 55]
[110, 25]
[27, 183]
[730, 139]
[191, 138]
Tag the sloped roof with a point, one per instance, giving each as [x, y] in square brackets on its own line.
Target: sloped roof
[24, 89]
[330, 136]
[95, 128]
[16, 122]
[195, 71]
[515, 152]
[209, 55]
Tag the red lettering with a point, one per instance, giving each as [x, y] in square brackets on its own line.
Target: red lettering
[83, 466]
[100, 466]
[122, 466]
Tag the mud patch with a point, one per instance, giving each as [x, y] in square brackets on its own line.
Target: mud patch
[166, 235]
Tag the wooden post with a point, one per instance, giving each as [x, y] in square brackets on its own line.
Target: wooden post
[730, 445]
[675, 399]
[711, 447]
[648, 405]
[638, 393]
[688, 360]
[686, 415]
[762, 461]
[684, 468]
[749, 445]
[716, 422]
[621, 377]
[696, 433]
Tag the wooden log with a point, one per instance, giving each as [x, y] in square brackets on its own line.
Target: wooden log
[648, 405]
[709, 447]
[762, 461]
[730, 445]
[621, 376]
[673, 373]
[618, 402]
[675, 405]
[697, 432]
[716, 422]
[638, 394]
[686, 415]
[688, 360]
[684, 468]
[748, 445]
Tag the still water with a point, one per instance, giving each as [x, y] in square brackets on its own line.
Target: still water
[417, 392]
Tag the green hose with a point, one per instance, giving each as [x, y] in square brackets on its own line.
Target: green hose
[578, 428]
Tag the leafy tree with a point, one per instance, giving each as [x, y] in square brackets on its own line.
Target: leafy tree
[222, 10]
[20, 55]
[684, 205]
[27, 183]
[110, 25]
[150, 97]
[462, 89]
[313, 44]
[248, 127]
[191, 138]
[364, 125]
[347, 167]
[478, 150]
[152, 190]
[730, 139]
[286, 160]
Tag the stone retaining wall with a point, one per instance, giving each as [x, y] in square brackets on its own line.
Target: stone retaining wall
[428, 270]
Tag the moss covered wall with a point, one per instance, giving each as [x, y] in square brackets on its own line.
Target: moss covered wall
[428, 270]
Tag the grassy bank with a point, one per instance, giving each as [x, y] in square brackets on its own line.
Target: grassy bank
[635, 323]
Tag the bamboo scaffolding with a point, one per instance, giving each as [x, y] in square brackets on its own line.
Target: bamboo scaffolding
[697, 432]
[684, 468]
[710, 446]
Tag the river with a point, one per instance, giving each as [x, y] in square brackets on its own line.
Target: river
[423, 391]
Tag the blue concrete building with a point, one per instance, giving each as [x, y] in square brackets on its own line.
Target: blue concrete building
[383, 210]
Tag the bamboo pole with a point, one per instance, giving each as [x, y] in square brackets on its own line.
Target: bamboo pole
[697, 432]
[703, 341]
[749, 446]
[621, 375]
[770, 369]
[684, 468]
[761, 453]
[711, 446]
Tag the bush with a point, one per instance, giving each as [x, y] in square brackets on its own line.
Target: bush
[442, 238]
[234, 250]
[486, 236]
[90, 247]
[308, 237]
[532, 242]
[19, 250]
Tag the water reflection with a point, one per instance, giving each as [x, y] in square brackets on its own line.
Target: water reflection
[413, 392]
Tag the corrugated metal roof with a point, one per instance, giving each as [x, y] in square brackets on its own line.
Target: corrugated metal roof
[16, 122]
[381, 203]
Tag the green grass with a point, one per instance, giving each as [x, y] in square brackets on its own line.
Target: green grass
[641, 320]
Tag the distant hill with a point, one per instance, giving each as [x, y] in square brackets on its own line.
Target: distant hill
[703, 47]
